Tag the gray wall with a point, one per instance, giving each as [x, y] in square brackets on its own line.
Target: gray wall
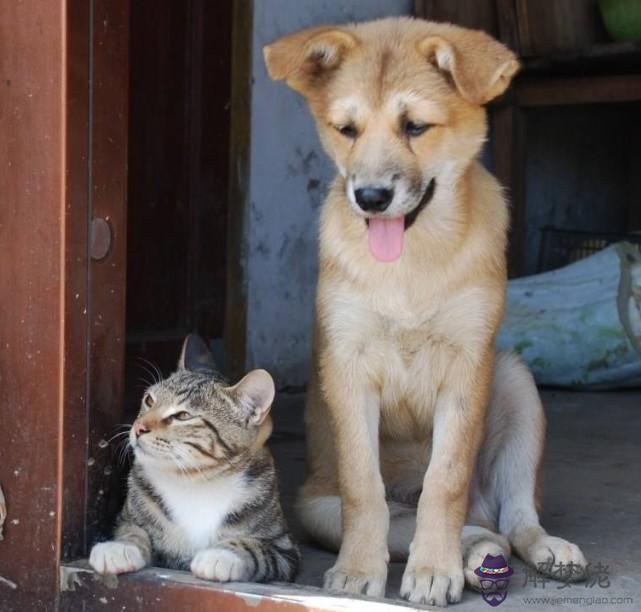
[289, 173]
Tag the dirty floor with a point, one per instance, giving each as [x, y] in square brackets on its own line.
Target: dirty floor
[592, 497]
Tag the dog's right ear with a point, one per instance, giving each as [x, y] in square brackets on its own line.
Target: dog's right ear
[305, 59]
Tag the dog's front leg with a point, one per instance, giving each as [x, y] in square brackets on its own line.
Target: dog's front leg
[354, 408]
[434, 572]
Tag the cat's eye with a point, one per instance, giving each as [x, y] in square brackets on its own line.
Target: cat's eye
[183, 415]
[348, 130]
[148, 400]
[414, 128]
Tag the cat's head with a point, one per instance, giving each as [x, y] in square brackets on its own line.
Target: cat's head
[193, 421]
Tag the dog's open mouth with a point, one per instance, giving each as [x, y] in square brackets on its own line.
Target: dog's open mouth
[385, 234]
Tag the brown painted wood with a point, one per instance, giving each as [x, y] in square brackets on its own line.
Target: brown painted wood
[76, 283]
[167, 590]
[559, 26]
[107, 277]
[508, 140]
[578, 90]
[32, 191]
[475, 14]
[609, 59]
[508, 24]
[240, 143]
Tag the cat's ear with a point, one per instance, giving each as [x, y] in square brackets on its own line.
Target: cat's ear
[255, 393]
[195, 355]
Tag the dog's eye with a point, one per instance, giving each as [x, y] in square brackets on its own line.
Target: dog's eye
[183, 415]
[348, 130]
[413, 128]
[148, 400]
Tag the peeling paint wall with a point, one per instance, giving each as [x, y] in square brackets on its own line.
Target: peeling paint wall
[289, 174]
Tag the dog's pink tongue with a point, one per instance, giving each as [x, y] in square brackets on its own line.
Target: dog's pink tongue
[385, 237]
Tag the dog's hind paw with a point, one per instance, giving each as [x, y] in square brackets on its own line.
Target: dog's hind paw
[428, 586]
[355, 582]
[557, 558]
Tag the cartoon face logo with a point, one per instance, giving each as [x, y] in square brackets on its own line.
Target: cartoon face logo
[494, 575]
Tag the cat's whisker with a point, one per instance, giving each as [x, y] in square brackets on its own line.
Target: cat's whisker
[151, 373]
[118, 435]
[145, 382]
[156, 370]
[124, 446]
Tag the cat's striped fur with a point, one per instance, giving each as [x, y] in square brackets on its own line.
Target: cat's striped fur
[203, 493]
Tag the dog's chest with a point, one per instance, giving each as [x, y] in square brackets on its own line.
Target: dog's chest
[414, 342]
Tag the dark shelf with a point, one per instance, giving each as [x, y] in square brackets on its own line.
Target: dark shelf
[611, 58]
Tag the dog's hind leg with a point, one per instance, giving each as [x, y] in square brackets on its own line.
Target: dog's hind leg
[510, 461]
[320, 516]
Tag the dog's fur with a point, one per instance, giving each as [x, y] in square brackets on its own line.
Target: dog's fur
[404, 365]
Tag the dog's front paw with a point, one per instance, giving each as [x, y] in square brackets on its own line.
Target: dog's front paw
[220, 565]
[356, 581]
[116, 558]
[557, 558]
[432, 586]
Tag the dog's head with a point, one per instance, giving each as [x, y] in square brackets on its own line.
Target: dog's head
[399, 107]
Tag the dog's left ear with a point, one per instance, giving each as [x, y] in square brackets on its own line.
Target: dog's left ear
[305, 59]
[480, 66]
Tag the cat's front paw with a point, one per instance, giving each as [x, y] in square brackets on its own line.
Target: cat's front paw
[116, 558]
[220, 565]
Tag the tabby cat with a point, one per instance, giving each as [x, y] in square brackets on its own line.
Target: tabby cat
[202, 491]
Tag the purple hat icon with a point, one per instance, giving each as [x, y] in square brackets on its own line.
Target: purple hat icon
[494, 567]
[494, 576]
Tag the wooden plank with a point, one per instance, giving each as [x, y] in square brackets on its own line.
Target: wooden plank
[610, 58]
[562, 25]
[240, 142]
[107, 276]
[212, 190]
[508, 24]
[578, 90]
[32, 189]
[76, 282]
[508, 155]
[167, 590]
[475, 14]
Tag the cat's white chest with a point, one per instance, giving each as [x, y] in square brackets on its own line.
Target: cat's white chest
[200, 508]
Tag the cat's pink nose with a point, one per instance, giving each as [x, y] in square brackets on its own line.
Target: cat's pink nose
[139, 428]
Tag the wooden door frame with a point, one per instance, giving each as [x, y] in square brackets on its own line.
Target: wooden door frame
[235, 330]
[64, 111]
[32, 280]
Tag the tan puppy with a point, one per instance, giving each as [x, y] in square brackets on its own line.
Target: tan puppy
[410, 295]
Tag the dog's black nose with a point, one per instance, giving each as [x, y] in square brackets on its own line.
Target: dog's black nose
[373, 198]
